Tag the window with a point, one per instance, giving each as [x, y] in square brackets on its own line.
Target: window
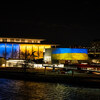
[38, 41]
[35, 41]
[11, 40]
[30, 41]
[0, 40]
[17, 39]
[4, 40]
[22, 40]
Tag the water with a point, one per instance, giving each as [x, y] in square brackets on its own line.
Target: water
[25, 90]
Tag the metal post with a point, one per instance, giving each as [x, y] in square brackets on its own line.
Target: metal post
[19, 51]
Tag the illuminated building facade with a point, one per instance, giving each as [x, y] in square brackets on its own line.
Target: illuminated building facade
[65, 54]
[20, 48]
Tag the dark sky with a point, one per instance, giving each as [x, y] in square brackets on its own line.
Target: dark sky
[74, 23]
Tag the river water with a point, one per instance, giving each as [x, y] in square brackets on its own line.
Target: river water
[25, 90]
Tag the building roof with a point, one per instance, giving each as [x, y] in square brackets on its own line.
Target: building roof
[29, 36]
[20, 35]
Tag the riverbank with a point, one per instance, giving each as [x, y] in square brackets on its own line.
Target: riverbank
[78, 79]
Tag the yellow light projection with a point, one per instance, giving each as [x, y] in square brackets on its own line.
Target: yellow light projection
[22, 51]
[69, 54]
[27, 49]
[41, 49]
[79, 56]
[47, 46]
[36, 51]
[66, 56]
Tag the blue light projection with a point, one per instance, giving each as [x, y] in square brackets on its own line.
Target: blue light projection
[2, 49]
[61, 50]
[16, 50]
[77, 50]
[69, 54]
[68, 50]
[12, 50]
[8, 51]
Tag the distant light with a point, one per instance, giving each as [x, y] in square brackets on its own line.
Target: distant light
[3, 65]
[15, 61]
[38, 66]
[59, 65]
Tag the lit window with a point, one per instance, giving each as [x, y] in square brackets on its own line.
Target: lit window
[30, 41]
[0, 40]
[22, 40]
[11, 40]
[17, 39]
[35, 41]
[38, 41]
[4, 40]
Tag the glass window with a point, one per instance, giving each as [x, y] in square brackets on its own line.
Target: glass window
[15, 51]
[36, 51]
[4, 40]
[22, 51]
[17, 39]
[35, 41]
[0, 40]
[30, 41]
[11, 40]
[22, 40]
[2, 50]
[41, 49]
[8, 51]
[38, 41]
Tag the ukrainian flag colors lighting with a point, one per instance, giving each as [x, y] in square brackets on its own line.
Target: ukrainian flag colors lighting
[15, 50]
[19, 50]
[69, 54]
[8, 50]
[37, 49]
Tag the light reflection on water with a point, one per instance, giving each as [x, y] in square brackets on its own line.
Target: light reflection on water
[25, 90]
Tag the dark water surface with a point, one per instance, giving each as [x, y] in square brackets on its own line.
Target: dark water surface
[25, 90]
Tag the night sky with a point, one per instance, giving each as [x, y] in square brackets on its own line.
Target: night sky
[76, 23]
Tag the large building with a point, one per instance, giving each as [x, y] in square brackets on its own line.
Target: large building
[22, 48]
[65, 54]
